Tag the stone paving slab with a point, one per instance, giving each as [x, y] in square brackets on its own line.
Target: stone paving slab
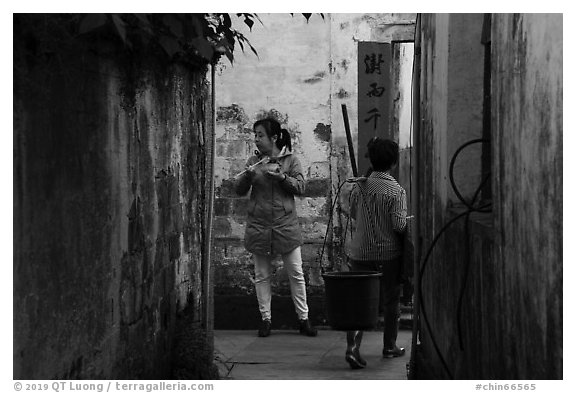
[241, 355]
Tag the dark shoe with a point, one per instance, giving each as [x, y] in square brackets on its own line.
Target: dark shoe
[307, 329]
[355, 362]
[357, 357]
[393, 353]
[353, 342]
[264, 330]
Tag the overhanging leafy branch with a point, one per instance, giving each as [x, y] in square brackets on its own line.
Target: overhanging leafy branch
[195, 39]
[204, 36]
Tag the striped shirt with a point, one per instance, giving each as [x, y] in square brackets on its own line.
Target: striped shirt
[378, 205]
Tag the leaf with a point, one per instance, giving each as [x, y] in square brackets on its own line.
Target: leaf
[230, 56]
[226, 48]
[249, 22]
[229, 35]
[91, 22]
[242, 38]
[253, 50]
[169, 44]
[121, 27]
[227, 21]
[259, 20]
[203, 47]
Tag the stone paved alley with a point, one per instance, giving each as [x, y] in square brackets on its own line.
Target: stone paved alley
[241, 355]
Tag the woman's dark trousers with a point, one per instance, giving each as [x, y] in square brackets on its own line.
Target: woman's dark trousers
[390, 290]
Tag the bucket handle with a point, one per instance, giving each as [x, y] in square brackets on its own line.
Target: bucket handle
[328, 226]
[349, 180]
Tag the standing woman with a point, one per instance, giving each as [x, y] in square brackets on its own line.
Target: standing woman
[272, 227]
[379, 207]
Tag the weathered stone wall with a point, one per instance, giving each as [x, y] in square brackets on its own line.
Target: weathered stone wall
[527, 171]
[492, 290]
[440, 90]
[303, 73]
[109, 186]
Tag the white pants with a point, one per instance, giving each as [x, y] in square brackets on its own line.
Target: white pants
[293, 265]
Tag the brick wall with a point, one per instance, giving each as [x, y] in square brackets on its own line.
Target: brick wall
[234, 266]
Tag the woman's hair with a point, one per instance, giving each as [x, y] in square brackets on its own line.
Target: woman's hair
[383, 153]
[273, 128]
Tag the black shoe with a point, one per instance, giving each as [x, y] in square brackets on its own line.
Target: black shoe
[393, 353]
[307, 329]
[356, 355]
[264, 330]
[355, 362]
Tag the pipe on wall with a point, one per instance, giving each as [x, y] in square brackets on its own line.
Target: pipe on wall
[416, 189]
[208, 308]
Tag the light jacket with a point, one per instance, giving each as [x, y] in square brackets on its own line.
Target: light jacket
[272, 226]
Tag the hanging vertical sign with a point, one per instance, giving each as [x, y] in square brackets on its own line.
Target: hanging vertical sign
[374, 105]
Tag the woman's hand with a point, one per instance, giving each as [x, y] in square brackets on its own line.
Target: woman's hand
[276, 175]
[250, 171]
[272, 171]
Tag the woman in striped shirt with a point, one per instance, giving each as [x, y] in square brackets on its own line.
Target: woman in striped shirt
[379, 209]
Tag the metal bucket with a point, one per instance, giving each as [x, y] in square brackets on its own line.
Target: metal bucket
[351, 299]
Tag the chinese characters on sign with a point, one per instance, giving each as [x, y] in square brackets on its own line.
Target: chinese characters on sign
[374, 59]
[374, 115]
[373, 62]
[376, 91]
